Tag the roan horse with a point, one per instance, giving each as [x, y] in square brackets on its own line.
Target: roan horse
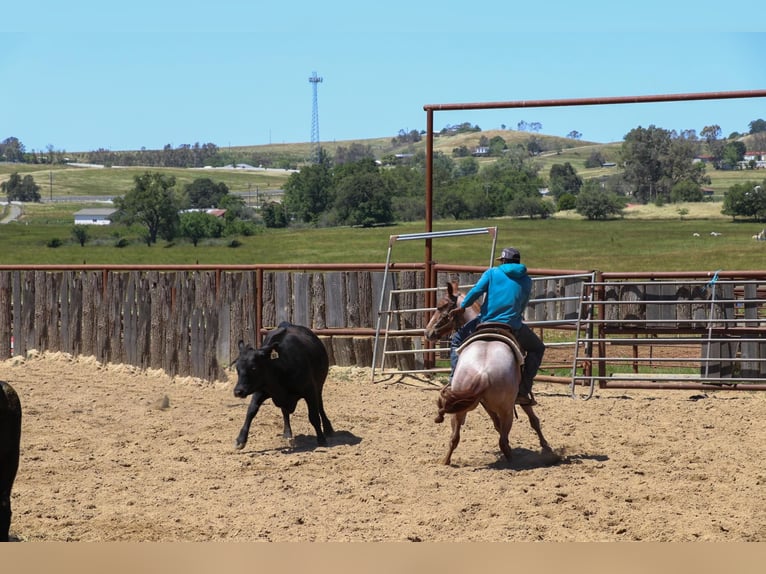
[488, 372]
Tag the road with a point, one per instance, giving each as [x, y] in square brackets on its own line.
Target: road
[14, 212]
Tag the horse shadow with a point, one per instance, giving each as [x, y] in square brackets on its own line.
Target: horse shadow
[526, 459]
[308, 443]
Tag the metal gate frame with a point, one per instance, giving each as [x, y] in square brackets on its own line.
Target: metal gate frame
[732, 328]
[391, 310]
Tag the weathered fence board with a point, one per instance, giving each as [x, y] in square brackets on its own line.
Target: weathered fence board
[188, 322]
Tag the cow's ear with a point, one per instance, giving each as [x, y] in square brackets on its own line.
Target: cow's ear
[268, 352]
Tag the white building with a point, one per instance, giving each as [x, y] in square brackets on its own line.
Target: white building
[94, 216]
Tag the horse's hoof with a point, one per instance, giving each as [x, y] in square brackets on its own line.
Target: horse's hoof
[239, 446]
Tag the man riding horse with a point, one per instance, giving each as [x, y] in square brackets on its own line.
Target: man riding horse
[507, 288]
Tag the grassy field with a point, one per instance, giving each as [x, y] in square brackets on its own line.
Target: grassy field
[66, 181]
[659, 241]
[647, 238]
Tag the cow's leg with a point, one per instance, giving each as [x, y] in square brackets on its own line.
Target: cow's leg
[287, 431]
[326, 425]
[534, 421]
[9, 464]
[255, 403]
[316, 420]
[5, 514]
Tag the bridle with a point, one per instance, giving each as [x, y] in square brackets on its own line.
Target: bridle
[444, 316]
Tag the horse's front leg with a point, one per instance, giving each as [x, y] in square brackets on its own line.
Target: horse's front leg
[456, 421]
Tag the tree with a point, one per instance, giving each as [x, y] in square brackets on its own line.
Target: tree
[531, 207]
[497, 146]
[308, 193]
[566, 202]
[466, 167]
[656, 159]
[80, 234]
[733, 153]
[11, 149]
[273, 214]
[686, 191]
[642, 151]
[596, 203]
[757, 126]
[196, 225]
[353, 153]
[151, 202]
[204, 193]
[746, 199]
[361, 195]
[574, 135]
[19, 188]
[564, 179]
[595, 159]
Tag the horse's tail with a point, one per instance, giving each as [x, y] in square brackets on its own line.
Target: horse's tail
[450, 401]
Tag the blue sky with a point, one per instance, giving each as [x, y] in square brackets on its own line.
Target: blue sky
[84, 75]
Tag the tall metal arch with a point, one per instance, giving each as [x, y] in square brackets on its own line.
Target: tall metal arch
[431, 108]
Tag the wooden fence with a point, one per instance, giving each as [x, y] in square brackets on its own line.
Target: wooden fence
[188, 321]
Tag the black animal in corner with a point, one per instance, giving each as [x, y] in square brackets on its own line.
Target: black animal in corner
[10, 440]
[290, 365]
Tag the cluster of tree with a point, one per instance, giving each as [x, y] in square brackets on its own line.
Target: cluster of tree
[11, 149]
[352, 193]
[746, 200]
[364, 193]
[658, 166]
[463, 128]
[18, 188]
[523, 126]
[406, 137]
[165, 212]
[184, 155]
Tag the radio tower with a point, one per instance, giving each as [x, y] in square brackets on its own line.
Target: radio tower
[315, 80]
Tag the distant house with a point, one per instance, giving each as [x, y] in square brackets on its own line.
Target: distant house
[480, 151]
[215, 212]
[94, 216]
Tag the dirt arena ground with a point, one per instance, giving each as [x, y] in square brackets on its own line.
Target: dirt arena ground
[110, 453]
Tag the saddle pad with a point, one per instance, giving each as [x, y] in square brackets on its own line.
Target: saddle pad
[511, 342]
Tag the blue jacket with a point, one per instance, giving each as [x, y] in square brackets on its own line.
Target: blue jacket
[507, 288]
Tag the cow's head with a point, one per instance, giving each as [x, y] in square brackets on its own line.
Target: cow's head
[253, 366]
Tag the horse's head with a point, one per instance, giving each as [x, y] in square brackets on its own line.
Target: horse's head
[441, 323]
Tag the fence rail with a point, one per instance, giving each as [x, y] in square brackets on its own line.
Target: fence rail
[187, 320]
[718, 322]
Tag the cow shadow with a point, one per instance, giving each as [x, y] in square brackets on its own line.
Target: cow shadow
[308, 443]
[526, 459]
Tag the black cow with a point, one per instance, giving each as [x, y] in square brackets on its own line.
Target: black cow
[10, 439]
[291, 364]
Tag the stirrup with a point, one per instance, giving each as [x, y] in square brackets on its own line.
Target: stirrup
[525, 400]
